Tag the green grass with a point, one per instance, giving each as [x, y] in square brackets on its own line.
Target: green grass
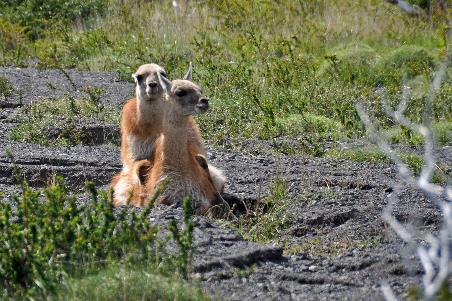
[59, 122]
[442, 132]
[262, 63]
[360, 155]
[53, 247]
[265, 222]
[6, 89]
[129, 283]
[413, 161]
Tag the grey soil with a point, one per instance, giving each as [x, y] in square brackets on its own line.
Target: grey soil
[335, 211]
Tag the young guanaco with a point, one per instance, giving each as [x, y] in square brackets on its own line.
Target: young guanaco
[176, 162]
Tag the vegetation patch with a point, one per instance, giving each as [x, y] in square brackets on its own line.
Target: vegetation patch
[317, 59]
[442, 132]
[351, 63]
[414, 161]
[65, 122]
[324, 128]
[266, 220]
[136, 282]
[406, 61]
[53, 246]
[6, 89]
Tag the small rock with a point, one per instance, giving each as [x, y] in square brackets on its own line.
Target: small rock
[313, 268]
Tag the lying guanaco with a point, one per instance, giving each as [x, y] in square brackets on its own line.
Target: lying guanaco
[176, 162]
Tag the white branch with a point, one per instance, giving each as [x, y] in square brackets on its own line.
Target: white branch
[434, 254]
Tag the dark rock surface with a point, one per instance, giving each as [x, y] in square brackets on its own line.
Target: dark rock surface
[335, 213]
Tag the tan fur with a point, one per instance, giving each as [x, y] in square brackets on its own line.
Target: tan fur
[174, 161]
[141, 121]
[141, 125]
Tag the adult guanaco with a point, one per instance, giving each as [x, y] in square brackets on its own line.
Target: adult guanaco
[176, 162]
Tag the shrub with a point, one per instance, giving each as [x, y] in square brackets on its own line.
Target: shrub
[406, 61]
[49, 235]
[312, 125]
[38, 15]
[48, 238]
[351, 63]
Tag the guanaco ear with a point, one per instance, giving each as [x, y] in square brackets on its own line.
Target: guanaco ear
[164, 82]
[188, 75]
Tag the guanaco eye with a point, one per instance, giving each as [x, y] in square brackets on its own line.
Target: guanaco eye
[162, 73]
[180, 93]
[139, 78]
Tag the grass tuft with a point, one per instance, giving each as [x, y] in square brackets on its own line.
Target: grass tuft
[265, 222]
[62, 122]
[6, 89]
[129, 283]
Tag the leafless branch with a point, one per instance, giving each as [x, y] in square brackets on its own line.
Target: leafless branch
[435, 257]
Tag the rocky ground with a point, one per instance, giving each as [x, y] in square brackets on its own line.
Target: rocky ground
[335, 247]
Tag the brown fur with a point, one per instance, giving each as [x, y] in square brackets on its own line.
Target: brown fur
[175, 158]
[141, 125]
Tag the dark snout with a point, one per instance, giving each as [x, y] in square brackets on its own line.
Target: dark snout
[153, 84]
[152, 88]
[203, 104]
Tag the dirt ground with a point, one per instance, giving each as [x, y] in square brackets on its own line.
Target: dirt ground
[336, 246]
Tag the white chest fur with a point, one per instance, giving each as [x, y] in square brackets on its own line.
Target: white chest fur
[140, 148]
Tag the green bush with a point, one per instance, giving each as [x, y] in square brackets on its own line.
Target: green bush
[49, 238]
[351, 63]
[310, 124]
[38, 15]
[403, 63]
[49, 235]
[442, 132]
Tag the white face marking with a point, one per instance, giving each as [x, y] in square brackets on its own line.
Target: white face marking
[140, 149]
[147, 82]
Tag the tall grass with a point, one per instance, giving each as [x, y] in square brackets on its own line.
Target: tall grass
[259, 61]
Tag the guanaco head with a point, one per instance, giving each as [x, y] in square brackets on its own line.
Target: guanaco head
[184, 96]
[147, 82]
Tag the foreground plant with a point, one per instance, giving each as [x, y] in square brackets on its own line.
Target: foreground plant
[48, 238]
[434, 253]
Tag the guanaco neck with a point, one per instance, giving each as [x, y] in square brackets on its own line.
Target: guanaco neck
[149, 111]
[175, 142]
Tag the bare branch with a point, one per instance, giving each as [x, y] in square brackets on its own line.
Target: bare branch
[434, 253]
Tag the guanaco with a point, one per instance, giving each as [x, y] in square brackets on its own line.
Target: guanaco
[176, 161]
[140, 125]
